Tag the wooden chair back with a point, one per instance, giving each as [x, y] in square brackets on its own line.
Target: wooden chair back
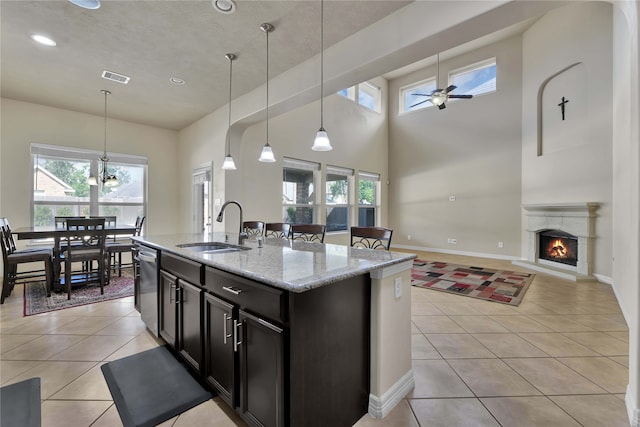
[371, 237]
[307, 232]
[253, 228]
[277, 230]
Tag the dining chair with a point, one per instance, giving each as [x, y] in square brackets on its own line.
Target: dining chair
[118, 248]
[307, 232]
[85, 243]
[253, 228]
[371, 237]
[13, 257]
[277, 230]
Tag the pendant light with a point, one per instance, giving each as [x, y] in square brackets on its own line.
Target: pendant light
[322, 143]
[229, 164]
[267, 153]
[107, 179]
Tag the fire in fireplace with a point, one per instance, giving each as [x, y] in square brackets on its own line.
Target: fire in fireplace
[558, 246]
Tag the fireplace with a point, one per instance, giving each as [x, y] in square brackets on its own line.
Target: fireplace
[560, 239]
[558, 246]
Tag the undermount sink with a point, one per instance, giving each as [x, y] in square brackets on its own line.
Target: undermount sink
[212, 247]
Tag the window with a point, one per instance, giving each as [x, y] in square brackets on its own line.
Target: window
[475, 79]
[60, 185]
[368, 198]
[298, 191]
[367, 94]
[337, 199]
[417, 96]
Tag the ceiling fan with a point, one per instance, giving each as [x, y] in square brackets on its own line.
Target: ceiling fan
[439, 96]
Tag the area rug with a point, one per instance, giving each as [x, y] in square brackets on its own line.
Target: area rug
[151, 387]
[36, 301]
[507, 287]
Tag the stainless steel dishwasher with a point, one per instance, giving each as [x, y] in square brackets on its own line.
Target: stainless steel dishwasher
[148, 259]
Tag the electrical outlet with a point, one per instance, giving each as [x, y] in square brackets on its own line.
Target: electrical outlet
[452, 198]
[409, 237]
[398, 287]
[500, 244]
[452, 241]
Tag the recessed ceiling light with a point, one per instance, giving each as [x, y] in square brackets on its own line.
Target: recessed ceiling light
[87, 4]
[177, 81]
[224, 6]
[43, 40]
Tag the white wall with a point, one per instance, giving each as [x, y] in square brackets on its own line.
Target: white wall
[470, 150]
[574, 166]
[23, 123]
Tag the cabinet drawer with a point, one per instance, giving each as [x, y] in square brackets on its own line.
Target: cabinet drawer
[262, 300]
[186, 269]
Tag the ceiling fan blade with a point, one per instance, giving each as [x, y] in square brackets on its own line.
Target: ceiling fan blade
[441, 107]
[450, 88]
[461, 96]
[420, 94]
[421, 102]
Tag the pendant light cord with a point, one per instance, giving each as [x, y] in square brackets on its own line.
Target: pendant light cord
[321, 64]
[106, 93]
[230, 57]
[267, 86]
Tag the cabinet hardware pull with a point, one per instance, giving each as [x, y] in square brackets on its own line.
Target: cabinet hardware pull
[178, 294]
[233, 290]
[226, 318]
[236, 340]
[171, 295]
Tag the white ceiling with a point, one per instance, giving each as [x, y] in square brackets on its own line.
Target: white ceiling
[151, 41]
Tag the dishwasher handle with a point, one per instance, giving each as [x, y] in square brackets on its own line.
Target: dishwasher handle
[145, 256]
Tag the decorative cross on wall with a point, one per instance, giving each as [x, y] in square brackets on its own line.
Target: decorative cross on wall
[561, 105]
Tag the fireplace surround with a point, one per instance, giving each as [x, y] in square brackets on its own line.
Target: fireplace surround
[567, 232]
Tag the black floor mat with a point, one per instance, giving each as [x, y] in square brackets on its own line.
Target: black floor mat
[20, 404]
[151, 387]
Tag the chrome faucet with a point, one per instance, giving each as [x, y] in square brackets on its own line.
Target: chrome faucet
[242, 234]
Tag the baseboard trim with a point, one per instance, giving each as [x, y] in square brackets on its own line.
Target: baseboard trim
[379, 407]
[632, 411]
[453, 252]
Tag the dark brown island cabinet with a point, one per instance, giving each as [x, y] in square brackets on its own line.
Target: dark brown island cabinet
[279, 358]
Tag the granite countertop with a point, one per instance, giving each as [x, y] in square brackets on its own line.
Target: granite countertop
[292, 266]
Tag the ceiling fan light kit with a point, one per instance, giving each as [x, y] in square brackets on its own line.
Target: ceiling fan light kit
[439, 96]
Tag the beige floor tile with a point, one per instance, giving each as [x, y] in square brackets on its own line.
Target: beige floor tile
[600, 342]
[127, 325]
[492, 377]
[43, 348]
[460, 308]
[9, 342]
[452, 413]
[621, 335]
[213, 412]
[557, 345]
[421, 348]
[65, 413]
[531, 307]
[54, 375]
[94, 348]
[473, 324]
[110, 418]
[604, 323]
[85, 325]
[493, 308]
[623, 360]
[603, 371]
[435, 378]
[40, 324]
[142, 342]
[436, 324]
[400, 416]
[520, 324]
[509, 345]
[561, 323]
[89, 386]
[552, 377]
[424, 309]
[528, 412]
[10, 369]
[594, 411]
[456, 346]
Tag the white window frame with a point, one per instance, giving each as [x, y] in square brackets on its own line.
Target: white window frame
[348, 204]
[353, 93]
[404, 90]
[470, 69]
[289, 163]
[374, 177]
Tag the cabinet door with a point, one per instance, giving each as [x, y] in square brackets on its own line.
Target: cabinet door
[220, 360]
[168, 291]
[190, 323]
[261, 371]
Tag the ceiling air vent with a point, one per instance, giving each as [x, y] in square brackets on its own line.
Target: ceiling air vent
[110, 75]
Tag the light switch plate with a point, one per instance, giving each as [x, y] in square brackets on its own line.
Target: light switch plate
[398, 287]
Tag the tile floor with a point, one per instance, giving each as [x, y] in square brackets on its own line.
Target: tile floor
[559, 359]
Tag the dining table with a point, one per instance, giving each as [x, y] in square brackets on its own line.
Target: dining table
[57, 234]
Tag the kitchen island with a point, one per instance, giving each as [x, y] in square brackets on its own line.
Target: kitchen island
[291, 333]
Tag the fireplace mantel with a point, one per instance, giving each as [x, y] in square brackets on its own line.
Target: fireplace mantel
[577, 219]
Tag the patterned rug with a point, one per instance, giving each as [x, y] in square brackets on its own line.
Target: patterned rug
[36, 301]
[507, 287]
